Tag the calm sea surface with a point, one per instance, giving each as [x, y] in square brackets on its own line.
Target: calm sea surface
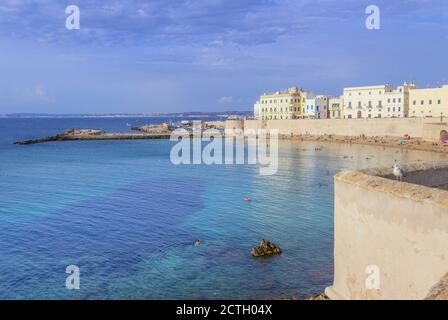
[128, 217]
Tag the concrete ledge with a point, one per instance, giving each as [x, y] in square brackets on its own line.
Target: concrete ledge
[398, 228]
[381, 180]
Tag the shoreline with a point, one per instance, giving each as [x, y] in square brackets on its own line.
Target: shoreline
[416, 144]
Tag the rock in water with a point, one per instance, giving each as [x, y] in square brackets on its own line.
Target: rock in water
[266, 248]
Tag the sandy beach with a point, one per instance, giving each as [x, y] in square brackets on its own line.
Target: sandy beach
[393, 142]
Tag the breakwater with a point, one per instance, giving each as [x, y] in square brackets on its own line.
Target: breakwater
[95, 136]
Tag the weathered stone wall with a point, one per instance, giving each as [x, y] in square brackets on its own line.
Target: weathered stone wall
[431, 131]
[399, 228]
[395, 127]
[234, 125]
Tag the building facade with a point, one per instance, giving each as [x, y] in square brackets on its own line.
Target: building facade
[382, 101]
[428, 103]
[397, 101]
[336, 108]
[280, 105]
[316, 107]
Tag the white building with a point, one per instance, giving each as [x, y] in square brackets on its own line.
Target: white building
[316, 107]
[382, 101]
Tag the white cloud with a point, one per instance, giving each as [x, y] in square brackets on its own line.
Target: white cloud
[40, 94]
[226, 100]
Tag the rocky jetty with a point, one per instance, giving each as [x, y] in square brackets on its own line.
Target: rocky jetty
[265, 248]
[90, 134]
[163, 128]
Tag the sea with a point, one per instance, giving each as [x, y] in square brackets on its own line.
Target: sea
[127, 217]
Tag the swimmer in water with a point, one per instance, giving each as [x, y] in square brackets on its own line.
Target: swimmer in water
[197, 243]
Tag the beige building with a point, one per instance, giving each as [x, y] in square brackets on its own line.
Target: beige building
[280, 105]
[336, 108]
[428, 103]
[381, 101]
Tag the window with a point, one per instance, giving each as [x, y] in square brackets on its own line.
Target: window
[393, 109]
[430, 101]
[414, 102]
[380, 103]
[388, 109]
[422, 102]
[439, 101]
[399, 100]
[388, 100]
[349, 104]
[394, 100]
[399, 109]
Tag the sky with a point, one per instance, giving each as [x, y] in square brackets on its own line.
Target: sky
[139, 56]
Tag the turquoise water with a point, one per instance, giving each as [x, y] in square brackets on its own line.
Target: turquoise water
[128, 218]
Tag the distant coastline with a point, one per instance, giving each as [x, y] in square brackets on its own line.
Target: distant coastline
[224, 114]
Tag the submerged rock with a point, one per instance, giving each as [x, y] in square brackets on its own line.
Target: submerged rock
[266, 248]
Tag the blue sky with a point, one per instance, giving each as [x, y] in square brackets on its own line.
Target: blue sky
[209, 55]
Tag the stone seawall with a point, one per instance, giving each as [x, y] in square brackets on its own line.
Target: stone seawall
[396, 127]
